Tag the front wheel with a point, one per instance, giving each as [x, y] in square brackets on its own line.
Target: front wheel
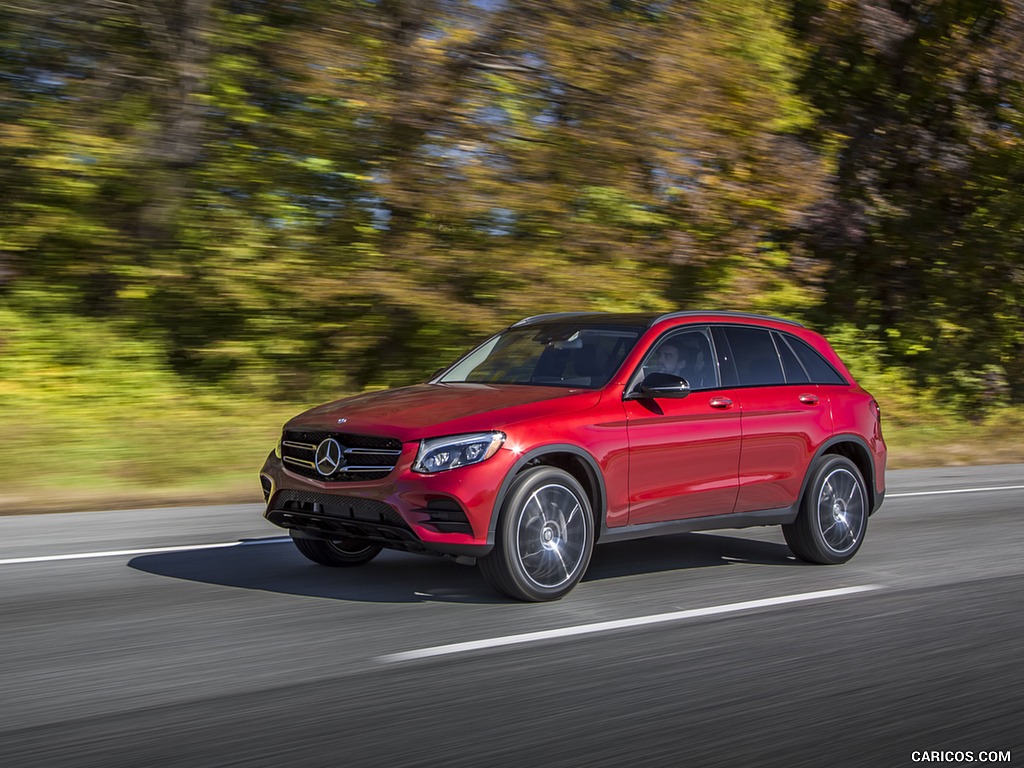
[338, 553]
[833, 514]
[544, 537]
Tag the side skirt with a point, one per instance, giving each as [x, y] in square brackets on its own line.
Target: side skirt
[782, 516]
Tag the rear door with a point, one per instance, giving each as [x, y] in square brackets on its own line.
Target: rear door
[785, 416]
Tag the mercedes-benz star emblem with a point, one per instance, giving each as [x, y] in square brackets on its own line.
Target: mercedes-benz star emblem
[328, 457]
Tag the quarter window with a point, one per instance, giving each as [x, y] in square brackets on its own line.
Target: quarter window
[819, 369]
[795, 373]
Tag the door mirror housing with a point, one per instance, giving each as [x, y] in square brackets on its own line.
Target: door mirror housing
[659, 385]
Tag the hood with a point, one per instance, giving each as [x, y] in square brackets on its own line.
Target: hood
[430, 410]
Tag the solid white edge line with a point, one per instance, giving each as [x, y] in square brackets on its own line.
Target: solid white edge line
[955, 490]
[606, 626]
[131, 552]
[187, 548]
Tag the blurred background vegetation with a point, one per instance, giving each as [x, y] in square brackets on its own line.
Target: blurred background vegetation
[216, 212]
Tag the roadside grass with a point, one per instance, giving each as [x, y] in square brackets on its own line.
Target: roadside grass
[163, 451]
[67, 457]
[90, 418]
[946, 442]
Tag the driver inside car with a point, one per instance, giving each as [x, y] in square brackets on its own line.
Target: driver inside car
[685, 356]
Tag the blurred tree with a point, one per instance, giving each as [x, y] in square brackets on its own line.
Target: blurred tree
[922, 114]
[284, 192]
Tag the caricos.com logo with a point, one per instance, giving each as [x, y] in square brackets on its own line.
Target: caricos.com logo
[959, 756]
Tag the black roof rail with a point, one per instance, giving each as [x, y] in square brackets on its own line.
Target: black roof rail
[548, 316]
[692, 312]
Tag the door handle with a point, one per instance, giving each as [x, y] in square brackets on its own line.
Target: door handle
[720, 402]
[808, 399]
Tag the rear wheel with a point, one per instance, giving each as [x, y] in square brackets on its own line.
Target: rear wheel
[544, 537]
[337, 553]
[833, 514]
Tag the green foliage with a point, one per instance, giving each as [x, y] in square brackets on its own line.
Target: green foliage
[302, 197]
[117, 418]
[922, 230]
[204, 201]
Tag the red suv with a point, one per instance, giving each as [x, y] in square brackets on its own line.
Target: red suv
[572, 429]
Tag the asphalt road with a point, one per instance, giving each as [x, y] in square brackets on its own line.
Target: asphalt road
[249, 655]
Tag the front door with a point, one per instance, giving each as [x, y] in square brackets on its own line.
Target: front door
[683, 453]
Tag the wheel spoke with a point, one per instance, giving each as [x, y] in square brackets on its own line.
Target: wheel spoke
[575, 509]
[841, 501]
[558, 554]
[842, 533]
[552, 535]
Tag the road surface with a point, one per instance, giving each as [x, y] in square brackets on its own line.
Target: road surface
[197, 637]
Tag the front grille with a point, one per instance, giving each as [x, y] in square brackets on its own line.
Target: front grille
[343, 517]
[339, 507]
[363, 457]
[335, 528]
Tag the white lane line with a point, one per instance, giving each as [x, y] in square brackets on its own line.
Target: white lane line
[607, 626]
[132, 552]
[157, 550]
[955, 490]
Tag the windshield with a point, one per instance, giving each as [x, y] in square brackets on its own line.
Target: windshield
[550, 355]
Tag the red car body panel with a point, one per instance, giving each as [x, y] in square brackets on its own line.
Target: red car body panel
[434, 410]
[684, 457]
[655, 460]
[780, 437]
[854, 413]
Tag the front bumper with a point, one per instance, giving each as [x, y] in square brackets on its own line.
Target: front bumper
[447, 513]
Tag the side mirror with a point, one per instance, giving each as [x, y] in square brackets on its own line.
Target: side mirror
[663, 385]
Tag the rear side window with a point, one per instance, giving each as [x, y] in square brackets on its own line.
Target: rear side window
[819, 369]
[753, 352]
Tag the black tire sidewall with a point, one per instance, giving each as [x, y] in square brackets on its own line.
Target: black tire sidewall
[353, 550]
[324, 552]
[516, 579]
[822, 552]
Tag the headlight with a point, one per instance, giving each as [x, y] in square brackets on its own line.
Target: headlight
[443, 453]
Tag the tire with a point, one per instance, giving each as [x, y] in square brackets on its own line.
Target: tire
[544, 537]
[833, 517]
[337, 554]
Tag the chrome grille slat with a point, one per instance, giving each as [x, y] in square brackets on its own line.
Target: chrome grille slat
[364, 457]
[369, 452]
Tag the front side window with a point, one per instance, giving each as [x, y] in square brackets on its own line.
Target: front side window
[551, 355]
[687, 354]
